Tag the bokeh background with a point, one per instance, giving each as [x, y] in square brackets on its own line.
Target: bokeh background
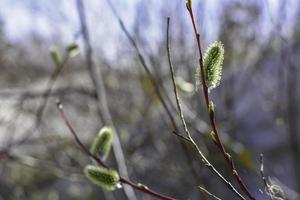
[257, 103]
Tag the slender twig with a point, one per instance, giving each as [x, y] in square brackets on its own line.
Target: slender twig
[181, 136]
[262, 174]
[143, 62]
[262, 170]
[100, 162]
[174, 83]
[77, 140]
[219, 143]
[208, 193]
[189, 136]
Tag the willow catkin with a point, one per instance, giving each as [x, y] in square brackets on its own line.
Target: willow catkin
[102, 143]
[106, 178]
[213, 60]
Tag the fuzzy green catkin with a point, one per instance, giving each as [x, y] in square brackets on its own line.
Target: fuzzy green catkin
[73, 49]
[56, 55]
[102, 143]
[211, 107]
[106, 178]
[213, 60]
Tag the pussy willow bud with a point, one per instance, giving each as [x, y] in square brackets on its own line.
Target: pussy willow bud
[142, 186]
[73, 49]
[211, 107]
[102, 143]
[56, 55]
[213, 60]
[106, 178]
[212, 136]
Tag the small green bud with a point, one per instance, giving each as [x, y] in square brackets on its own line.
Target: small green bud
[142, 186]
[183, 85]
[102, 143]
[234, 172]
[106, 178]
[56, 55]
[212, 136]
[211, 107]
[228, 156]
[73, 50]
[213, 60]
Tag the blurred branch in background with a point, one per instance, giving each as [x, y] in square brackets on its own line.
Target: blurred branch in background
[97, 79]
[157, 90]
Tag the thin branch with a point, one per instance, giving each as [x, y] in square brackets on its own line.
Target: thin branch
[208, 193]
[262, 173]
[174, 83]
[77, 140]
[100, 162]
[189, 137]
[182, 137]
[220, 145]
[262, 170]
[143, 62]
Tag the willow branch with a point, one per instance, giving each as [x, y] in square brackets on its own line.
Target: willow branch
[219, 143]
[189, 136]
[262, 174]
[209, 194]
[85, 150]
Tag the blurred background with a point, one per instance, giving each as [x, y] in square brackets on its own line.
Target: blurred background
[257, 103]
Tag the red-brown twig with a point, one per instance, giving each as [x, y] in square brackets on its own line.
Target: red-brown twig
[100, 162]
[188, 138]
[262, 174]
[219, 143]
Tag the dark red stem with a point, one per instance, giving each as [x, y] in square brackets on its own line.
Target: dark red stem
[100, 162]
[219, 143]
